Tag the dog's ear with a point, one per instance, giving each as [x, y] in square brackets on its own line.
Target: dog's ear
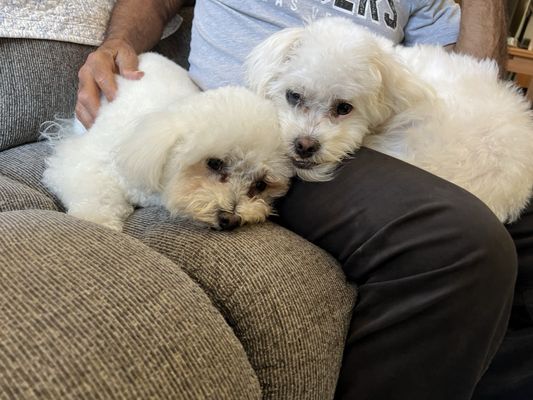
[263, 62]
[142, 158]
[401, 88]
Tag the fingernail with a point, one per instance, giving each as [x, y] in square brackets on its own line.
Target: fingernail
[133, 74]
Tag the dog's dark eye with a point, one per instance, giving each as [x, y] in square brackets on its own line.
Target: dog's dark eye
[260, 186]
[215, 164]
[344, 109]
[293, 98]
[256, 188]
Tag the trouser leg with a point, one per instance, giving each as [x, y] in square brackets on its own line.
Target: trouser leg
[435, 271]
[510, 375]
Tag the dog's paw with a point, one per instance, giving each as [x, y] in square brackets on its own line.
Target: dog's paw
[113, 225]
[103, 220]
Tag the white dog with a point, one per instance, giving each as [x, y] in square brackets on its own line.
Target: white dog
[216, 157]
[337, 87]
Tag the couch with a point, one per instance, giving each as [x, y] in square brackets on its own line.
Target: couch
[163, 310]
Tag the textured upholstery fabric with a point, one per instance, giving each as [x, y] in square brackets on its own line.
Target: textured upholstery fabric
[42, 83]
[17, 196]
[87, 313]
[25, 164]
[76, 21]
[43, 80]
[287, 301]
[166, 310]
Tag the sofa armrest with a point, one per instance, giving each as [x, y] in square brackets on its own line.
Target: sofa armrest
[287, 301]
[88, 313]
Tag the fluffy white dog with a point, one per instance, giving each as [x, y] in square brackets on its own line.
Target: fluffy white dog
[338, 87]
[216, 157]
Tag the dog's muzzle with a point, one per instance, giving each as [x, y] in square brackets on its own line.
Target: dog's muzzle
[306, 147]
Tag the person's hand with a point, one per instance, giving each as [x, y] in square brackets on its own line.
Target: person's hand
[97, 76]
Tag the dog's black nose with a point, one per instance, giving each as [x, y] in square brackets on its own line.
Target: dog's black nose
[228, 221]
[306, 146]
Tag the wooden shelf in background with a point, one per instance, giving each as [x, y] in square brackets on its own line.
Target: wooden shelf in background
[520, 62]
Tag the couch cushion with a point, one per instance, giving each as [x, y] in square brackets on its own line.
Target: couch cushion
[88, 313]
[287, 300]
[17, 196]
[25, 164]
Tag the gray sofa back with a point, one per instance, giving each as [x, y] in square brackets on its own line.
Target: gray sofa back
[42, 80]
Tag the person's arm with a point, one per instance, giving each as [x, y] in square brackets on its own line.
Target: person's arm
[135, 26]
[483, 32]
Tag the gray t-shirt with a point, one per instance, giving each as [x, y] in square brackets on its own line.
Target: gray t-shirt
[225, 31]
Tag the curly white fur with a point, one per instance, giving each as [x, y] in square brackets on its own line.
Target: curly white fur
[443, 112]
[155, 145]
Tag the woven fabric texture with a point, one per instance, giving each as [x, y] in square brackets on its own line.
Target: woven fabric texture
[287, 301]
[165, 310]
[25, 164]
[87, 313]
[43, 80]
[77, 21]
[17, 196]
[42, 84]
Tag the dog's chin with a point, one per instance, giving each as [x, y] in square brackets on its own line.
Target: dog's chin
[313, 171]
[316, 173]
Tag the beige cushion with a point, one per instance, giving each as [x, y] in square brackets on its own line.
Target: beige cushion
[17, 196]
[87, 313]
[287, 300]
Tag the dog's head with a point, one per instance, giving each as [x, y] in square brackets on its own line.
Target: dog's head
[333, 82]
[217, 157]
